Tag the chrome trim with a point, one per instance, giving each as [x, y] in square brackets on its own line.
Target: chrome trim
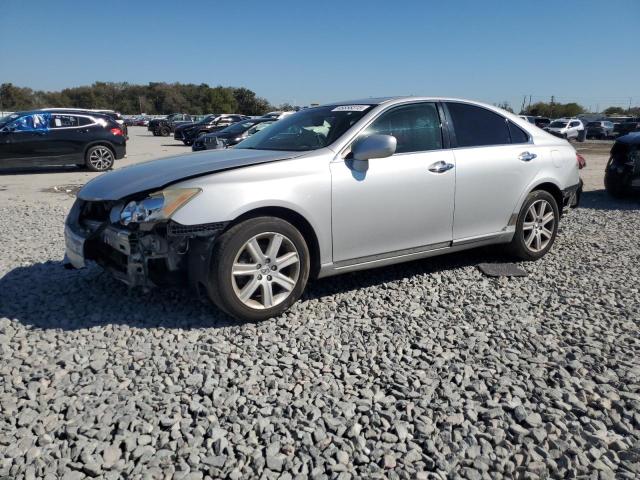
[394, 254]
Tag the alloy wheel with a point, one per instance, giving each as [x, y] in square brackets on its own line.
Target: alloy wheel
[101, 158]
[265, 270]
[538, 226]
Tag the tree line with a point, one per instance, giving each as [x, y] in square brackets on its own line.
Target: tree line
[565, 110]
[155, 98]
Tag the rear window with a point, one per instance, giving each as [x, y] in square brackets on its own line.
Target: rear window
[557, 124]
[476, 126]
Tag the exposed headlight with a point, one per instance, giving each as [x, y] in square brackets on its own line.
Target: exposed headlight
[157, 206]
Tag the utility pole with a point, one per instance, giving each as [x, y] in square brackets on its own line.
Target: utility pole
[524, 100]
[552, 102]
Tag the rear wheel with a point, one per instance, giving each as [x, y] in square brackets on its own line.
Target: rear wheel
[259, 268]
[99, 158]
[537, 226]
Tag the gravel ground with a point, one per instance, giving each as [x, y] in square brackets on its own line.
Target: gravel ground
[423, 370]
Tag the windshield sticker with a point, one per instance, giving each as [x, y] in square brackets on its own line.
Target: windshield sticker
[351, 108]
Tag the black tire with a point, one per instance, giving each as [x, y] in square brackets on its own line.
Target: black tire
[187, 142]
[222, 289]
[99, 158]
[164, 131]
[518, 245]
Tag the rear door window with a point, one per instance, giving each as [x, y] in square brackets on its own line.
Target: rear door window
[63, 121]
[416, 127]
[476, 126]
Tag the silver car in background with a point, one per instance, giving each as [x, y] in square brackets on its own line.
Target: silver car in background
[327, 190]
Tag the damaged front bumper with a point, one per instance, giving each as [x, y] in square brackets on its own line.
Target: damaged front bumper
[157, 254]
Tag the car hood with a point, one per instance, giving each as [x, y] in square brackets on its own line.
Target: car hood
[157, 174]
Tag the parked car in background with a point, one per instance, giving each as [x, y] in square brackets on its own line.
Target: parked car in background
[628, 126]
[211, 123]
[64, 137]
[622, 173]
[567, 128]
[177, 132]
[141, 121]
[540, 122]
[277, 115]
[232, 135]
[601, 129]
[163, 127]
[333, 189]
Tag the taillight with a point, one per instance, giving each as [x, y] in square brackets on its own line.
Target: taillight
[581, 161]
[117, 131]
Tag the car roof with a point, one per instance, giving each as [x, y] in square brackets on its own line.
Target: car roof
[65, 110]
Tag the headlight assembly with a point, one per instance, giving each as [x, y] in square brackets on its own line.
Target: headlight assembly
[158, 206]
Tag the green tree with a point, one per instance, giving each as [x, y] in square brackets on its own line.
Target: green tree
[614, 111]
[153, 98]
[14, 98]
[555, 110]
[249, 103]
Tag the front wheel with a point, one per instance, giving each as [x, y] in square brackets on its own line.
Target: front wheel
[259, 268]
[99, 158]
[164, 131]
[537, 226]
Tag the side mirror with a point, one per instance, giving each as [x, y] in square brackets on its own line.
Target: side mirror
[374, 146]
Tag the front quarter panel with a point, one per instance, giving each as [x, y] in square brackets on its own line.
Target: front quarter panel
[302, 185]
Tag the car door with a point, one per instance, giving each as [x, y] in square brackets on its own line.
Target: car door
[27, 141]
[495, 162]
[402, 203]
[68, 136]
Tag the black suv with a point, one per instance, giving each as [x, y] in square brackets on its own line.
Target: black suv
[163, 127]
[212, 123]
[65, 137]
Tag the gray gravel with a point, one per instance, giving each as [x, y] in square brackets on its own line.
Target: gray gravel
[425, 370]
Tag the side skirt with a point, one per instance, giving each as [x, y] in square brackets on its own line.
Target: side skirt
[392, 258]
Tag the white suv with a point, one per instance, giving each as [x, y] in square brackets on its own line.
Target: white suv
[566, 128]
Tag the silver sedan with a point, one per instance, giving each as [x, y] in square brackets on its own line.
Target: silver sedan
[331, 189]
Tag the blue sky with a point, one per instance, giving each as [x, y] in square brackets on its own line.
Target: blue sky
[303, 52]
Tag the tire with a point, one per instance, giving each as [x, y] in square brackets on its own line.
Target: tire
[164, 131]
[237, 246]
[188, 143]
[99, 158]
[523, 246]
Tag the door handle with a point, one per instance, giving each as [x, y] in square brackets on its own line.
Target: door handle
[526, 156]
[440, 167]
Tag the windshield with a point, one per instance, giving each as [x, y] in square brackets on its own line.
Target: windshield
[238, 127]
[209, 118]
[309, 129]
[7, 119]
[558, 124]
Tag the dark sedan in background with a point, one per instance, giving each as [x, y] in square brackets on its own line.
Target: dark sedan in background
[622, 174]
[231, 135]
[65, 137]
[211, 123]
